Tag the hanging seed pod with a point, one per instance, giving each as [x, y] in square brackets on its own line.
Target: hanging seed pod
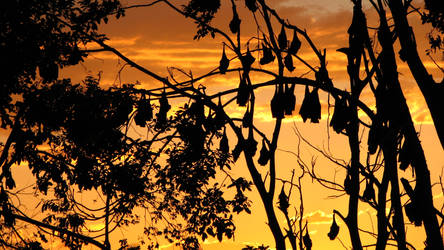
[369, 192]
[243, 92]
[247, 60]
[282, 38]
[237, 151]
[315, 106]
[290, 100]
[264, 155]
[304, 111]
[340, 117]
[295, 44]
[306, 239]
[288, 62]
[223, 144]
[267, 55]
[144, 112]
[405, 154]
[224, 62]
[283, 201]
[250, 146]
[247, 120]
[334, 229]
[251, 5]
[235, 23]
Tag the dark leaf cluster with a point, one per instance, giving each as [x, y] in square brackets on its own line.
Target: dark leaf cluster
[41, 37]
[203, 11]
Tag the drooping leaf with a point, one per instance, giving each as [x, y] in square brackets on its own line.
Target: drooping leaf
[282, 38]
[224, 62]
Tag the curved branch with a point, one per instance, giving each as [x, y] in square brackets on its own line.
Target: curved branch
[60, 230]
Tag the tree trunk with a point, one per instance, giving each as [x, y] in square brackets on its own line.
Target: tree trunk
[267, 200]
[390, 166]
[381, 241]
[432, 91]
[403, 120]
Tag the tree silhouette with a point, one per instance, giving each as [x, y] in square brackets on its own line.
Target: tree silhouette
[74, 136]
[74, 139]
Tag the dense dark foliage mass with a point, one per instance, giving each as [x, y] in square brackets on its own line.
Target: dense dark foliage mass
[42, 36]
[75, 137]
[434, 14]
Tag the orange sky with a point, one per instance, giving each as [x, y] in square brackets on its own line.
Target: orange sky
[158, 38]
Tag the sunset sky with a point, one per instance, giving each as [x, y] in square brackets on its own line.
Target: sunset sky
[156, 37]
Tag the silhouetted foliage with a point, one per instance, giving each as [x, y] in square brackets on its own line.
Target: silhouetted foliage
[203, 11]
[74, 137]
[434, 15]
